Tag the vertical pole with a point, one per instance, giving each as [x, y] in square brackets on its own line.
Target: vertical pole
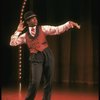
[20, 53]
[20, 48]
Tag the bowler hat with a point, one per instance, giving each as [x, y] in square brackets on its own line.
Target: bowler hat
[29, 15]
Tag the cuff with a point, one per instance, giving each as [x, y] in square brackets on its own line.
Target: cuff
[17, 33]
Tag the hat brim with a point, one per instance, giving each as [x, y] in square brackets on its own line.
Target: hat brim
[30, 17]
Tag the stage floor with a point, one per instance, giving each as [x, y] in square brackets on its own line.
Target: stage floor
[57, 94]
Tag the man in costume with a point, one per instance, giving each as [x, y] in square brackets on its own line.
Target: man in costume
[41, 58]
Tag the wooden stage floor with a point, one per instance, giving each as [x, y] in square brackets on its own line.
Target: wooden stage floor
[57, 94]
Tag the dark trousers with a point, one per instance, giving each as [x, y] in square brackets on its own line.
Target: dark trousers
[41, 66]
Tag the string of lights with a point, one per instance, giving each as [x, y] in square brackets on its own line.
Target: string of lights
[20, 50]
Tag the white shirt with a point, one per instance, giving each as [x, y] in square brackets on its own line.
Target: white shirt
[47, 29]
[32, 33]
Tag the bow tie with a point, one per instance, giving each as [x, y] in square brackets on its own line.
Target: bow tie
[32, 29]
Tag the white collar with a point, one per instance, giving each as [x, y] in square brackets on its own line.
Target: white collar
[30, 30]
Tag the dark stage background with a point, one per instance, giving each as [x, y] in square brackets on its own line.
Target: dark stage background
[76, 52]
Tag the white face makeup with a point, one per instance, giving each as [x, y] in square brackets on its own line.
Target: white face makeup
[32, 22]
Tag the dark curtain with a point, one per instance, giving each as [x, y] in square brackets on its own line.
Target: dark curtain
[76, 52]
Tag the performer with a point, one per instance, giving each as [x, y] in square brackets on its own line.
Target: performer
[41, 58]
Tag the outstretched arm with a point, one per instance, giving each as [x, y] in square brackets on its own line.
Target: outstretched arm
[55, 30]
[15, 38]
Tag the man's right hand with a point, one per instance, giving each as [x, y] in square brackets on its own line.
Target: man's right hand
[21, 26]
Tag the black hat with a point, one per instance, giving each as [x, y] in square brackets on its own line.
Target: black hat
[29, 15]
